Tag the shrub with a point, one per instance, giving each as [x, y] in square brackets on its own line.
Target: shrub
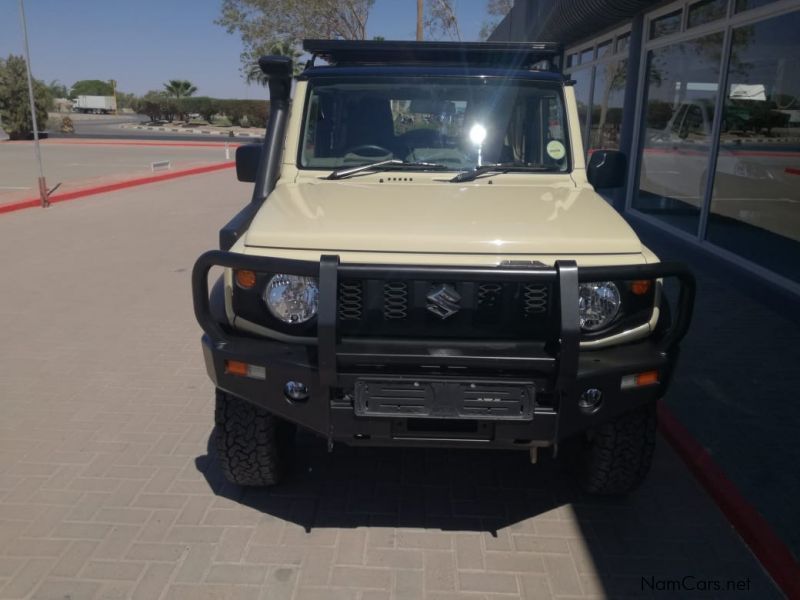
[14, 102]
[67, 126]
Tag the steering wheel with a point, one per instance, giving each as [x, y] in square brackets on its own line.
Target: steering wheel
[369, 151]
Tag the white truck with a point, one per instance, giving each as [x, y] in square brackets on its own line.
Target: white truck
[101, 105]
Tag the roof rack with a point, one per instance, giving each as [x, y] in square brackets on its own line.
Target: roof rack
[518, 55]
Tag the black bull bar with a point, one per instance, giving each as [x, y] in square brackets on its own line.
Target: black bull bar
[565, 274]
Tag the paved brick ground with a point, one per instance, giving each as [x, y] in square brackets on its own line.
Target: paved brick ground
[107, 489]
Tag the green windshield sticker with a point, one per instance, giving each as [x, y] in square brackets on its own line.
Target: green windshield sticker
[556, 150]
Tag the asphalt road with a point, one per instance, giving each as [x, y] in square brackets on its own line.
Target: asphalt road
[107, 127]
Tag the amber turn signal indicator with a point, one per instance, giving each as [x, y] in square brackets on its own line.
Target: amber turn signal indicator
[245, 279]
[647, 378]
[243, 369]
[641, 286]
[235, 367]
[639, 380]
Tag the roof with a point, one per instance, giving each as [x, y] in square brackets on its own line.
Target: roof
[515, 55]
[433, 70]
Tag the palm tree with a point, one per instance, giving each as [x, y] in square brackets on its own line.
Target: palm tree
[179, 88]
[253, 74]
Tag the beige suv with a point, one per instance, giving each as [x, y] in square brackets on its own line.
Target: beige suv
[426, 262]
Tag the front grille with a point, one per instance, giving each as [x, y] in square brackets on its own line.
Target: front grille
[485, 310]
[395, 300]
[350, 300]
[489, 296]
[535, 299]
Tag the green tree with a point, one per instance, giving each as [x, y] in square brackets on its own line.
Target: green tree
[441, 20]
[252, 72]
[14, 102]
[261, 23]
[125, 100]
[179, 88]
[58, 89]
[497, 10]
[156, 105]
[203, 105]
[91, 87]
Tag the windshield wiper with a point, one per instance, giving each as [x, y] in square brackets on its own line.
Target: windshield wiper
[384, 165]
[498, 168]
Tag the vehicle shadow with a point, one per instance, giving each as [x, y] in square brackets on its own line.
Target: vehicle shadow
[466, 490]
[605, 546]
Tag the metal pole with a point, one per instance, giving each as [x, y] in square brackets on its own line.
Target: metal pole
[113, 83]
[42, 183]
[420, 12]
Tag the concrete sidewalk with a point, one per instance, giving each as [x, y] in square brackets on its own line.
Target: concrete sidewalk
[77, 164]
[109, 489]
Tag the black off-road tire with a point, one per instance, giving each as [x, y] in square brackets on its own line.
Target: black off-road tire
[253, 445]
[616, 457]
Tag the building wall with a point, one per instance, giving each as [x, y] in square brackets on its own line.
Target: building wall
[704, 96]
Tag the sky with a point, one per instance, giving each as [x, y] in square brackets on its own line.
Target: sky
[143, 43]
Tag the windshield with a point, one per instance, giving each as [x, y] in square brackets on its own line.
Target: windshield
[457, 122]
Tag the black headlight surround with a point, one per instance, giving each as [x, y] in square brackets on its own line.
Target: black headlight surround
[634, 310]
[249, 304]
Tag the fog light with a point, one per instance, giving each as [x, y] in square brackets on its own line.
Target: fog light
[295, 391]
[590, 400]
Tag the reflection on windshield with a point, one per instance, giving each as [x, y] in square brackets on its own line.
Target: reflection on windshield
[458, 122]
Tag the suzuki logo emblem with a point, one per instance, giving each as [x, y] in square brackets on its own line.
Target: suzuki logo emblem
[443, 301]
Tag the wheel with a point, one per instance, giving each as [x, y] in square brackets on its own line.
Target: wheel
[616, 457]
[253, 445]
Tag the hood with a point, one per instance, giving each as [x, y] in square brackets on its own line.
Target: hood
[441, 217]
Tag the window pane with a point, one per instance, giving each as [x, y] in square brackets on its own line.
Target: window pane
[707, 11]
[748, 4]
[609, 94]
[587, 55]
[665, 25]
[572, 60]
[623, 42]
[603, 49]
[359, 120]
[681, 94]
[755, 207]
[583, 82]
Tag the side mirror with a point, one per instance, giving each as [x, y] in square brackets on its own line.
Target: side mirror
[607, 169]
[247, 159]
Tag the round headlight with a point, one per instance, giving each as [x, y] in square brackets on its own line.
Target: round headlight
[292, 298]
[598, 303]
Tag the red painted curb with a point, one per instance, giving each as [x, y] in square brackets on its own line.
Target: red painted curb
[770, 550]
[112, 187]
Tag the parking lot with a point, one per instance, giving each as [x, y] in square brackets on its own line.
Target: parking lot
[109, 489]
[76, 164]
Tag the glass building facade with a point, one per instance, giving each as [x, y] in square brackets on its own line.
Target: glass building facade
[714, 134]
